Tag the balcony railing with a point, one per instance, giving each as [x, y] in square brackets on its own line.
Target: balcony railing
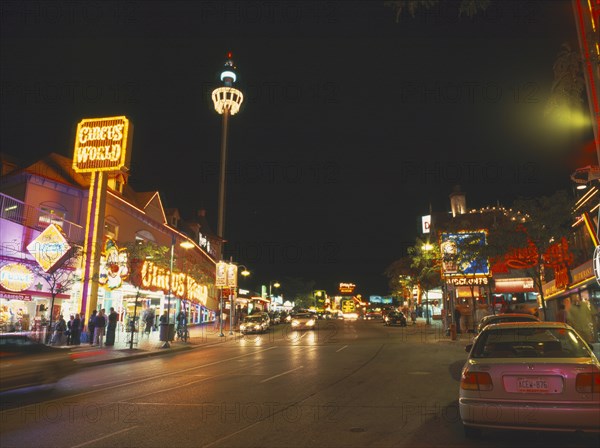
[17, 211]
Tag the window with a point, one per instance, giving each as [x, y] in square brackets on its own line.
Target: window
[111, 227]
[144, 235]
[51, 213]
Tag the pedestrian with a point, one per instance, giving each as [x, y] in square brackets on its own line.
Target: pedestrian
[76, 330]
[579, 316]
[217, 318]
[561, 314]
[91, 326]
[59, 332]
[112, 327]
[69, 331]
[149, 320]
[164, 319]
[99, 328]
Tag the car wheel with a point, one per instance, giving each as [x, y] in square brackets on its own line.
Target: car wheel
[471, 432]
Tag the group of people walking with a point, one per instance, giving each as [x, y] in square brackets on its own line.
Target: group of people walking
[101, 329]
[100, 325]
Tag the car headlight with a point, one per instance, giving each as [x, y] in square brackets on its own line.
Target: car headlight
[295, 323]
[242, 327]
[310, 323]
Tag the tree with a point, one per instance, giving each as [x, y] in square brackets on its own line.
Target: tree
[569, 83]
[426, 259]
[402, 277]
[544, 222]
[300, 291]
[61, 278]
[138, 252]
[470, 8]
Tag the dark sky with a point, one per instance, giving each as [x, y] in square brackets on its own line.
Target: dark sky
[352, 124]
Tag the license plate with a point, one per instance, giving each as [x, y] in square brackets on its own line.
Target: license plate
[532, 385]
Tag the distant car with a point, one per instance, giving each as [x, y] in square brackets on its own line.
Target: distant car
[303, 321]
[395, 318]
[350, 316]
[530, 375]
[506, 317]
[254, 323]
[373, 316]
[25, 362]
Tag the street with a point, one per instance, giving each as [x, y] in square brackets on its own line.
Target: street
[346, 384]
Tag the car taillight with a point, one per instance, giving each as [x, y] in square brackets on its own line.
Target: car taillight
[476, 381]
[588, 382]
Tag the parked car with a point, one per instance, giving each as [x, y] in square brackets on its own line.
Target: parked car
[395, 318]
[530, 375]
[303, 321]
[373, 316]
[506, 317]
[25, 362]
[254, 323]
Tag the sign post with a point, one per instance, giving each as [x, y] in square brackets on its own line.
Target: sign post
[101, 148]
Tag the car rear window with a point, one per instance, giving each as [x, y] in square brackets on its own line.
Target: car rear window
[530, 343]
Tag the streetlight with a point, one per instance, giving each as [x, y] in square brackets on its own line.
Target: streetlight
[245, 273]
[272, 284]
[427, 247]
[168, 323]
[184, 333]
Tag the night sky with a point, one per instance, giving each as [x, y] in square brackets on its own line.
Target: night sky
[352, 124]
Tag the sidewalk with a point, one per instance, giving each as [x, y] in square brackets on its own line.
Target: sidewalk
[145, 345]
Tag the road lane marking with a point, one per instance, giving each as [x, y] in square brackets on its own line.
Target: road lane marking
[137, 381]
[345, 346]
[281, 374]
[104, 437]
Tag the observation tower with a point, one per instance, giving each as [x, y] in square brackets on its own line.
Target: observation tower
[227, 101]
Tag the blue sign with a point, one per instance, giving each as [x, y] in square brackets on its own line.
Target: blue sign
[461, 254]
[380, 299]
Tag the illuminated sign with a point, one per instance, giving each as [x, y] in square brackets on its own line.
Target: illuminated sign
[348, 306]
[49, 247]
[16, 277]
[514, 285]
[156, 278]
[460, 254]
[380, 299]
[232, 271]
[467, 281]
[347, 288]
[15, 296]
[221, 272]
[113, 265]
[101, 144]
[204, 242]
[426, 223]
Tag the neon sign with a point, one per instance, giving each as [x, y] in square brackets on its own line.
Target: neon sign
[347, 288]
[49, 247]
[113, 265]
[156, 278]
[16, 277]
[101, 144]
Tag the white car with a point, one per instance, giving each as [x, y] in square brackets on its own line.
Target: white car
[304, 321]
[530, 375]
[254, 323]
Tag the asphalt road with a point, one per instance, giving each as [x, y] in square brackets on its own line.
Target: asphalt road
[346, 384]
